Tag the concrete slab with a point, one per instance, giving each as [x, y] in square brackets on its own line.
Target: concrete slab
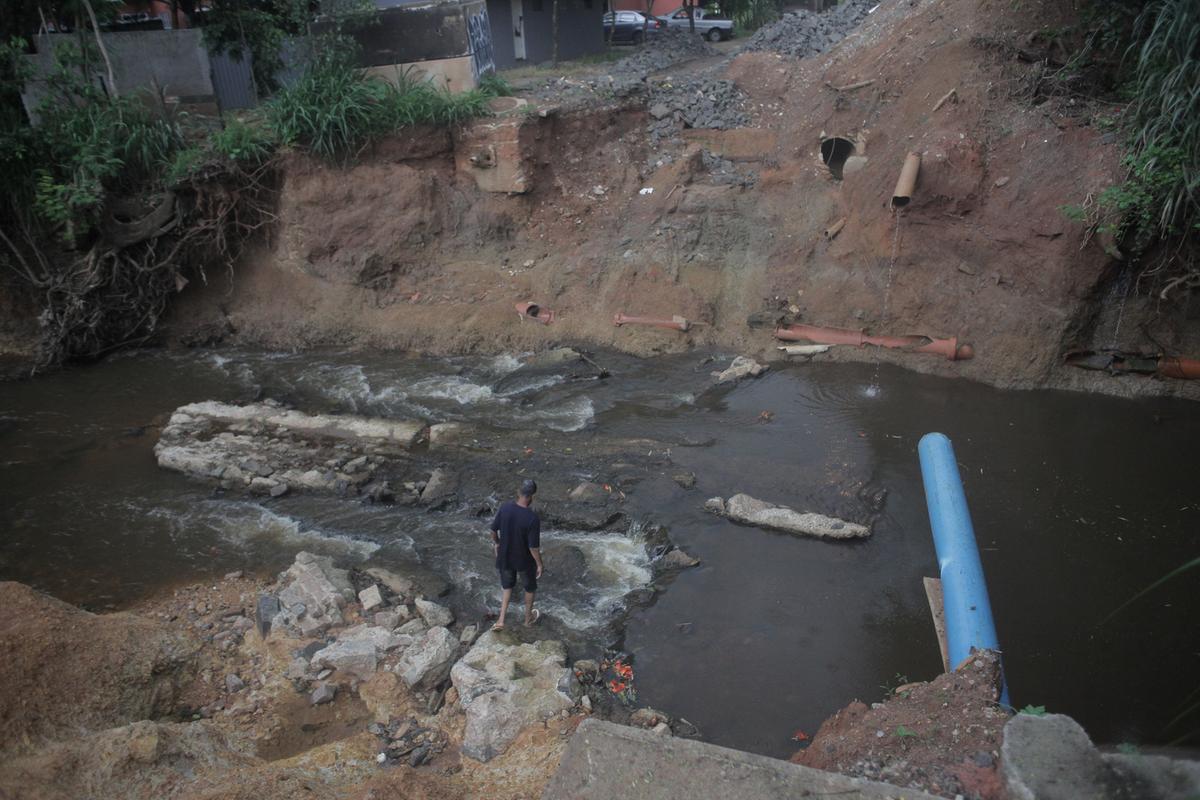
[1051, 758]
[604, 761]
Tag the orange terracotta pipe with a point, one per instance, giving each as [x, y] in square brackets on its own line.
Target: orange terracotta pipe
[675, 323]
[948, 348]
[535, 312]
[1187, 369]
[816, 335]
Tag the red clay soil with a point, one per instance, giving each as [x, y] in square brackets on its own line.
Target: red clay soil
[942, 737]
[403, 250]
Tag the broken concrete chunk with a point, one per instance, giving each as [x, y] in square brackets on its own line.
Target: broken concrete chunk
[354, 658]
[678, 559]
[324, 693]
[414, 627]
[371, 598]
[427, 662]
[750, 511]
[741, 367]
[441, 486]
[433, 614]
[402, 587]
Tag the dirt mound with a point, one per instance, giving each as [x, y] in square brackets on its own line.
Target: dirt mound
[942, 737]
[799, 34]
[131, 669]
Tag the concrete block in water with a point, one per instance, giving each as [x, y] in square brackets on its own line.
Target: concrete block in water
[750, 511]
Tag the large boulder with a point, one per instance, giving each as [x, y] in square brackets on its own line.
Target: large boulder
[65, 670]
[427, 661]
[313, 595]
[505, 686]
[750, 511]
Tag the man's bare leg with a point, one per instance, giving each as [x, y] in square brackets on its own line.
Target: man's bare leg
[529, 607]
[504, 598]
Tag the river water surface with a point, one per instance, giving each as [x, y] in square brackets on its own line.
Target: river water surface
[1078, 502]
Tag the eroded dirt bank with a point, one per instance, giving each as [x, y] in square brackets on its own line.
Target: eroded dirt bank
[429, 241]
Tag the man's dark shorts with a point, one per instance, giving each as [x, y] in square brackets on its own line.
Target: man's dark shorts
[508, 579]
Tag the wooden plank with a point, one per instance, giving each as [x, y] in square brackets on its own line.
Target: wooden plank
[933, 592]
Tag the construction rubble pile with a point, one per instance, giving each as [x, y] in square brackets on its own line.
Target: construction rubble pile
[800, 34]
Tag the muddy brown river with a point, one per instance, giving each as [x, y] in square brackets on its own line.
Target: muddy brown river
[1078, 502]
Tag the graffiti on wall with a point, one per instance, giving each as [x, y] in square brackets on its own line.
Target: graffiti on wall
[479, 32]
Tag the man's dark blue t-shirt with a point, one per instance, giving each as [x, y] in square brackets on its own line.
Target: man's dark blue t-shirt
[519, 529]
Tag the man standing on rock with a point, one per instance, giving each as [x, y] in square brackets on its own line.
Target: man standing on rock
[516, 541]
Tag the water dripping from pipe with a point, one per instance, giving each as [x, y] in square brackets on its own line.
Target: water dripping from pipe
[873, 389]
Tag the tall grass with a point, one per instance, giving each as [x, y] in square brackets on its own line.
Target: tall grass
[335, 109]
[1167, 111]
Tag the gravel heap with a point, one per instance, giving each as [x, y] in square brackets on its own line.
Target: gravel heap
[800, 34]
[660, 51]
[696, 102]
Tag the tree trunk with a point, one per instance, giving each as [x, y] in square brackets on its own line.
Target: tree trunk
[112, 81]
[554, 22]
[691, 7]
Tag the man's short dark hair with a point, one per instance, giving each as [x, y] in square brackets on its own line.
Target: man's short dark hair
[528, 487]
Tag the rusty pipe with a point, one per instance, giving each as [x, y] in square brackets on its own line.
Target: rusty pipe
[535, 312]
[907, 180]
[817, 335]
[949, 348]
[1187, 369]
[676, 322]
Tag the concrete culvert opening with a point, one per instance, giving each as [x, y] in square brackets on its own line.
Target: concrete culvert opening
[834, 152]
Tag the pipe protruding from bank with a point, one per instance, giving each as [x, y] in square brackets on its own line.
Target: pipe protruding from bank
[969, 622]
[907, 182]
[948, 348]
[676, 322]
[534, 312]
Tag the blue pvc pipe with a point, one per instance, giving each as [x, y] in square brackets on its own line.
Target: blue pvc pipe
[969, 622]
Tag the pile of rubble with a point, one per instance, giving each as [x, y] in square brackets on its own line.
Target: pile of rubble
[503, 685]
[800, 34]
[694, 102]
[667, 47]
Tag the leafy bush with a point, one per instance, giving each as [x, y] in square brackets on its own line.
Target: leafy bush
[87, 145]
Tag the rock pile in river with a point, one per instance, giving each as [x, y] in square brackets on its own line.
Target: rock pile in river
[267, 449]
[750, 511]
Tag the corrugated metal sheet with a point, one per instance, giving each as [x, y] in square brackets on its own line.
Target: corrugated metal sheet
[233, 81]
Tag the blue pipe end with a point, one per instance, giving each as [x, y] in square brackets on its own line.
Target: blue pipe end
[969, 622]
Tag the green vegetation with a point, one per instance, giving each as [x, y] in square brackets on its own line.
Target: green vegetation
[750, 15]
[1033, 711]
[1147, 56]
[335, 110]
[116, 202]
[903, 732]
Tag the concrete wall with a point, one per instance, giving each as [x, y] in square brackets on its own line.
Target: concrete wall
[174, 61]
[580, 30]
[448, 42]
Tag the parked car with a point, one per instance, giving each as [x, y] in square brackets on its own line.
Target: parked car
[631, 26]
[713, 27]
